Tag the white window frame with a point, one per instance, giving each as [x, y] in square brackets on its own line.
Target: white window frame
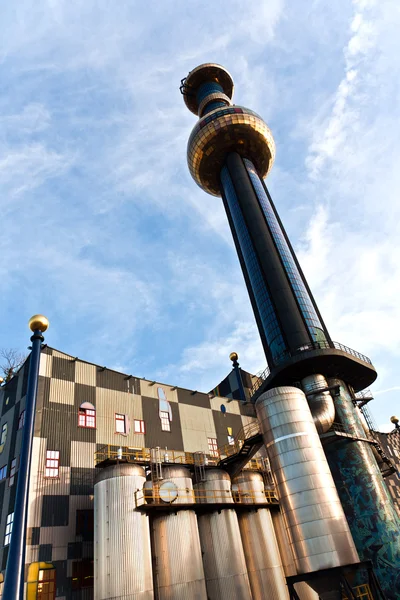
[165, 422]
[9, 528]
[52, 467]
[213, 447]
[13, 469]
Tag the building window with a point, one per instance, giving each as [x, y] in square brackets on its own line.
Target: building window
[21, 420]
[52, 464]
[231, 440]
[120, 423]
[3, 435]
[9, 526]
[46, 589]
[87, 416]
[165, 424]
[3, 472]
[82, 574]
[139, 426]
[85, 524]
[12, 471]
[213, 447]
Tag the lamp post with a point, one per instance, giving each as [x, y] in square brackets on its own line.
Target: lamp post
[14, 578]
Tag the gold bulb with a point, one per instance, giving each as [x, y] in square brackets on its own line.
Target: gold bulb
[233, 356]
[38, 322]
[394, 420]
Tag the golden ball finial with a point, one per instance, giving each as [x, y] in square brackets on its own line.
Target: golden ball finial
[233, 356]
[1, 380]
[38, 322]
[394, 420]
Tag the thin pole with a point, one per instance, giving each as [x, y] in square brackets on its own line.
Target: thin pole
[14, 577]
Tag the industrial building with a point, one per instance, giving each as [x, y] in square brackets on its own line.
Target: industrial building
[268, 487]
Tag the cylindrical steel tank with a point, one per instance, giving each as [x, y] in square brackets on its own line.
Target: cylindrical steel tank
[223, 557]
[178, 570]
[320, 403]
[304, 591]
[369, 507]
[317, 528]
[122, 553]
[264, 563]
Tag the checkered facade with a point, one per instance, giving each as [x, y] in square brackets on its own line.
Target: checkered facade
[390, 443]
[60, 519]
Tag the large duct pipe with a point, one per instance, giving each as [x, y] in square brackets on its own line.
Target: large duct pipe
[264, 564]
[122, 554]
[316, 525]
[223, 557]
[320, 403]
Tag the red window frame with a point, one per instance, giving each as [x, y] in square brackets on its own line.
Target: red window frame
[120, 418]
[87, 418]
[213, 447]
[52, 466]
[141, 426]
[13, 468]
[21, 420]
[46, 588]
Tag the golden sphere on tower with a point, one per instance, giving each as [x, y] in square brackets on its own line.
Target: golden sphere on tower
[233, 356]
[38, 323]
[222, 131]
[394, 420]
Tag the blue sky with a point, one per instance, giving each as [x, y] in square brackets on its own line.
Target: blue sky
[103, 229]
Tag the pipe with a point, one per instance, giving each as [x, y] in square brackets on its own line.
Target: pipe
[321, 404]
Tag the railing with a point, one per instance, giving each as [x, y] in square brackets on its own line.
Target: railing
[167, 496]
[248, 431]
[143, 455]
[361, 591]
[284, 356]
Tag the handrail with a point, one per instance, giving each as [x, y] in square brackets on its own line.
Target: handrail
[361, 591]
[201, 496]
[311, 346]
[135, 455]
[247, 431]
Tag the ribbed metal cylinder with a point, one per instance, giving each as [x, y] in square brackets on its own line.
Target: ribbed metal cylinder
[122, 553]
[317, 528]
[304, 591]
[263, 560]
[178, 571]
[369, 507]
[320, 403]
[223, 556]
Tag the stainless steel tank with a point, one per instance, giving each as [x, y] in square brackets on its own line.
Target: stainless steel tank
[178, 565]
[318, 532]
[223, 556]
[304, 591]
[122, 553]
[264, 563]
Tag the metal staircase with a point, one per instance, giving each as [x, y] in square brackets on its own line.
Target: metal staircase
[246, 443]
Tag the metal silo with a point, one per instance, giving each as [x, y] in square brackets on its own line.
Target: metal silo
[178, 570]
[122, 553]
[303, 590]
[264, 563]
[223, 557]
[317, 528]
